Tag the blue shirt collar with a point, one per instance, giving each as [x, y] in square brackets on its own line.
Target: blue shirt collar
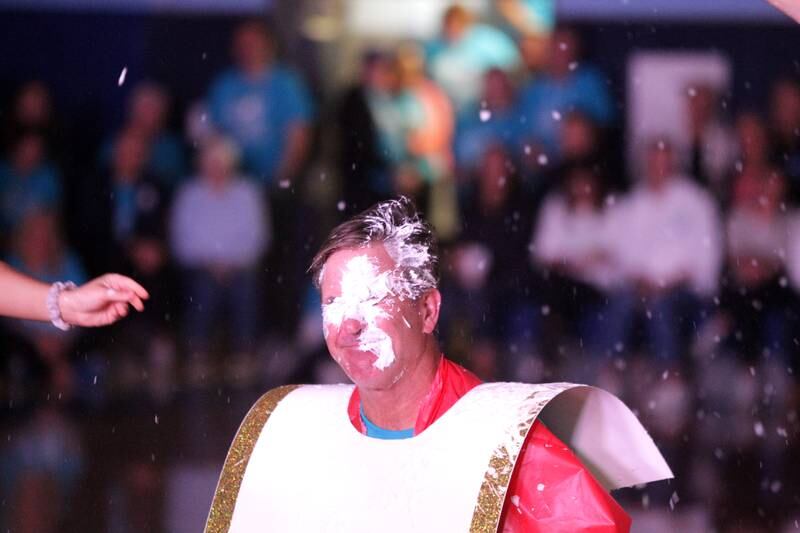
[381, 433]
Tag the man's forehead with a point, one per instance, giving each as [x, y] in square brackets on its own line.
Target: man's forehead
[336, 265]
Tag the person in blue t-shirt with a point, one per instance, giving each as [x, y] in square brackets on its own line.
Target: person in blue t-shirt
[39, 251]
[148, 111]
[458, 59]
[565, 86]
[493, 122]
[262, 106]
[27, 181]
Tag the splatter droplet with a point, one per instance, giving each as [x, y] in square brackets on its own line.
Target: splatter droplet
[556, 115]
[673, 501]
[485, 115]
[758, 428]
[542, 159]
[122, 76]
[540, 487]
[341, 205]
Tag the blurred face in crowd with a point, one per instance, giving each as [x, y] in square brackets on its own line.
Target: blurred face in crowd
[130, 156]
[381, 75]
[253, 48]
[564, 45]
[410, 64]
[148, 109]
[659, 164]
[577, 136]
[785, 108]
[375, 336]
[455, 24]
[218, 162]
[535, 51]
[753, 140]
[759, 189]
[28, 154]
[497, 90]
[34, 106]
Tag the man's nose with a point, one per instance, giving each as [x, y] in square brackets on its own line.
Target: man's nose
[349, 332]
[351, 327]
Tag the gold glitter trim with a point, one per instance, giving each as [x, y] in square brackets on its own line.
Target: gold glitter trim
[219, 518]
[492, 495]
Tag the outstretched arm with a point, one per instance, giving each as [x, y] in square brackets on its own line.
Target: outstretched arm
[99, 302]
[790, 7]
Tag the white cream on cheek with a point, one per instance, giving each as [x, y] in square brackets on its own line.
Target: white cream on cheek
[363, 289]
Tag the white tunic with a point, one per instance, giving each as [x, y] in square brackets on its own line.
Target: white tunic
[309, 469]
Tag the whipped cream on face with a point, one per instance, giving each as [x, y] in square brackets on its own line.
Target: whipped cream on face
[363, 289]
[412, 274]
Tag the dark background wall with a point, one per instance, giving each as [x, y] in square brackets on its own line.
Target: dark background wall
[81, 55]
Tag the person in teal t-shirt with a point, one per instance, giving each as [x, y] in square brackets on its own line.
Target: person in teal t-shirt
[262, 106]
[27, 181]
[465, 51]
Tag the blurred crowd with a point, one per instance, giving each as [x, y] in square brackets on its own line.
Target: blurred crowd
[673, 284]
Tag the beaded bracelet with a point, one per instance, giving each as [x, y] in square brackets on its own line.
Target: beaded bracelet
[52, 303]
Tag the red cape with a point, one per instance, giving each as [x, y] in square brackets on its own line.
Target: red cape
[550, 489]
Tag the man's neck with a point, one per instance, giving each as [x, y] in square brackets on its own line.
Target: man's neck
[397, 407]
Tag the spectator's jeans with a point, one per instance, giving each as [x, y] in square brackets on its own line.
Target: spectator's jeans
[207, 297]
[664, 316]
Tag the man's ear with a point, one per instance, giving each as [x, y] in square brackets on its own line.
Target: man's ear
[431, 302]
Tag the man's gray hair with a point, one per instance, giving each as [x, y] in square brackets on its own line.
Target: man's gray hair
[407, 237]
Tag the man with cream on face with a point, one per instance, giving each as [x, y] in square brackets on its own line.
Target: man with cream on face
[418, 443]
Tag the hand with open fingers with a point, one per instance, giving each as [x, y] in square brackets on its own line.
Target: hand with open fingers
[102, 301]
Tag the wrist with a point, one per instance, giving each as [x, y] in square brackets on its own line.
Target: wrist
[59, 305]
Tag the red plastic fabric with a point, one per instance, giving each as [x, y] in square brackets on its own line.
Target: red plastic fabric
[550, 489]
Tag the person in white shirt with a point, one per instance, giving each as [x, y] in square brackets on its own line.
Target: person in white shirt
[572, 244]
[219, 230]
[755, 294]
[668, 241]
[711, 142]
